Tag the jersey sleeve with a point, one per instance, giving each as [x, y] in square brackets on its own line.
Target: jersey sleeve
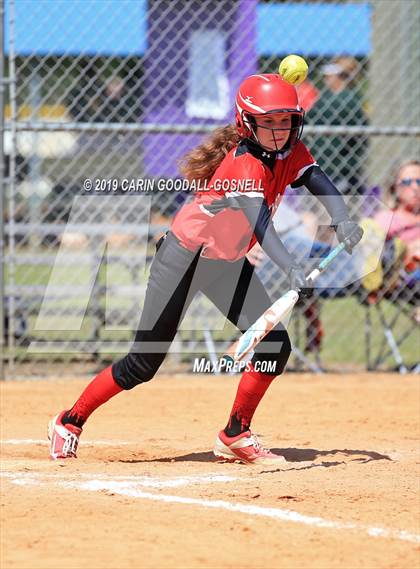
[302, 159]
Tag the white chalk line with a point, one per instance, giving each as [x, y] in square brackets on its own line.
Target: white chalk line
[122, 481]
[44, 442]
[129, 486]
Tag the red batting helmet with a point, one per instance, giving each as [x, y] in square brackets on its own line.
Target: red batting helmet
[267, 93]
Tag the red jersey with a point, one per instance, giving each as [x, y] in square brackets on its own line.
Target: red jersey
[249, 170]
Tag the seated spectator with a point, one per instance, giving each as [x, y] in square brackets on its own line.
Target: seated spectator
[404, 220]
[402, 225]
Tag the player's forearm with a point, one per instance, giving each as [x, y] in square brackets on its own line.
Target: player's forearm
[260, 220]
[319, 184]
[274, 248]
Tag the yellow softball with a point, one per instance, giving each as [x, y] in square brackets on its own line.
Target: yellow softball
[293, 69]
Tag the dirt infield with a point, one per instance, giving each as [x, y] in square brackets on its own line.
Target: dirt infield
[145, 492]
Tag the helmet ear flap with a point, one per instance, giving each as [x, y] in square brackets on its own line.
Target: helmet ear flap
[250, 124]
[240, 127]
[242, 124]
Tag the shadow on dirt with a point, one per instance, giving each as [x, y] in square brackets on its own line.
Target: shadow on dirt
[290, 454]
[192, 457]
[306, 458]
[311, 454]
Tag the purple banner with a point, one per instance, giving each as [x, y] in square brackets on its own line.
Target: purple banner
[198, 54]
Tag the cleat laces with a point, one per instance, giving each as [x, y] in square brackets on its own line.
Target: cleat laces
[257, 445]
[70, 444]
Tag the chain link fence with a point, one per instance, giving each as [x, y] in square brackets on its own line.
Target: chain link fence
[102, 96]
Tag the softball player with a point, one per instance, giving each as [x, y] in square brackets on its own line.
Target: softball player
[247, 168]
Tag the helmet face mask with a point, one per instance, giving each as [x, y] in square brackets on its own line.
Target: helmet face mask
[261, 99]
[267, 136]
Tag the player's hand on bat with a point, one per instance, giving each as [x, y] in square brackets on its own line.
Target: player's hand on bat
[298, 282]
[349, 233]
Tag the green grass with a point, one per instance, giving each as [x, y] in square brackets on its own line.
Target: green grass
[344, 325]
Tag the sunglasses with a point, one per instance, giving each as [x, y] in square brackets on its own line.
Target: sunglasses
[408, 181]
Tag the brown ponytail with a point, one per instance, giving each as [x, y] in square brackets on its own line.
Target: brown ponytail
[201, 163]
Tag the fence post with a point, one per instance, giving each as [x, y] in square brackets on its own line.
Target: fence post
[2, 201]
[11, 184]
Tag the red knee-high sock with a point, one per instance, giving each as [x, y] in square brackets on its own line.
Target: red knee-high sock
[99, 390]
[251, 389]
